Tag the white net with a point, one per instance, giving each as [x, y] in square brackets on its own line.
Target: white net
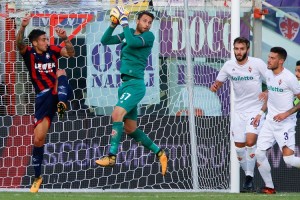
[82, 136]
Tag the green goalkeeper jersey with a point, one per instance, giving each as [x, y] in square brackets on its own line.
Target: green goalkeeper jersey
[135, 50]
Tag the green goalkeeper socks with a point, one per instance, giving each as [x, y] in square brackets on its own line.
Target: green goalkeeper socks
[139, 136]
[116, 134]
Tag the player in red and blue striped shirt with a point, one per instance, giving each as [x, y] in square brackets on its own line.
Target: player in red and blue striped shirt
[50, 84]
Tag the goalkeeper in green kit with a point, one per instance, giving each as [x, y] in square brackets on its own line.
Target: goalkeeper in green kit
[136, 48]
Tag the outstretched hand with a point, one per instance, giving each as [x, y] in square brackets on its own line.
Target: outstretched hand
[61, 33]
[26, 20]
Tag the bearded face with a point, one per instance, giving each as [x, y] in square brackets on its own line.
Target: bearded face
[240, 51]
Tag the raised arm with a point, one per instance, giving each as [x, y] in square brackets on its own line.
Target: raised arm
[20, 35]
[68, 50]
[108, 38]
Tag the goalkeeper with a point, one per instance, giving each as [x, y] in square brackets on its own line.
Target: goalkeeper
[135, 52]
[50, 84]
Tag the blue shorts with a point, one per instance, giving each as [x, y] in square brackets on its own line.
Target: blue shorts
[45, 106]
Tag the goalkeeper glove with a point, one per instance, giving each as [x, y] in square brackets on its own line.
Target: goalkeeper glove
[116, 13]
[122, 11]
[123, 20]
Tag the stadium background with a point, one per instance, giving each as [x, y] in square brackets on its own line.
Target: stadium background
[81, 161]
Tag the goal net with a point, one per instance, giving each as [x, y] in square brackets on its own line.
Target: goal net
[178, 112]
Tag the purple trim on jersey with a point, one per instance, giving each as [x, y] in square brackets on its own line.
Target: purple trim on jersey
[42, 67]
[142, 40]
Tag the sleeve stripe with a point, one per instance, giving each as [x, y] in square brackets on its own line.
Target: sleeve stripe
[119, 38]
[142, 40]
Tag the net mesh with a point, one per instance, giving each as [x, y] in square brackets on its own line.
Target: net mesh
[82, 136]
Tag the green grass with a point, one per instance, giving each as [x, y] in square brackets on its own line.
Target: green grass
[145, 196]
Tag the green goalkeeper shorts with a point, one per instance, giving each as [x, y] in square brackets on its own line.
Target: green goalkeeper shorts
[130, 93]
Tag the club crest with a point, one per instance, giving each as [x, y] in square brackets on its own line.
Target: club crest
[113, 132]
[289, 28]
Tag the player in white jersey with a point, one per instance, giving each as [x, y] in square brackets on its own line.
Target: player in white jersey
[297, 73]
[280, 122]
[246, 74]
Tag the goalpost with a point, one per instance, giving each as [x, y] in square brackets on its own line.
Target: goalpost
[181, 115]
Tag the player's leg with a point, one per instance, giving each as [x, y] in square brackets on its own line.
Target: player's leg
[117, 115]
[137, 90]
[290, 158]
[286, 142]
[241, 154]
[45, 108]
[139, 136]
[265, 140]
[116, 135]
[40, 133]
[63, 92]
[264, 169]
[251, 138]
[250, 160]
[238, 131]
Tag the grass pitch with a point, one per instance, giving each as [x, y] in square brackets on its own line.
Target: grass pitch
[145, 196]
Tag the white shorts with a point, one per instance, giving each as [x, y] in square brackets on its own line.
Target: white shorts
[281, 132]
[242, 123]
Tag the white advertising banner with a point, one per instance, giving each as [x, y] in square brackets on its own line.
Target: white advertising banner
[103, 64]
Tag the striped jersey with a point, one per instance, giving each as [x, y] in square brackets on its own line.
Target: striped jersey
[42, 67]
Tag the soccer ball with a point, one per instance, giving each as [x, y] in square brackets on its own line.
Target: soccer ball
[114, 19]
[116, 13]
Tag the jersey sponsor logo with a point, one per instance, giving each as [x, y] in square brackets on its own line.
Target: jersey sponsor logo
[44, 68]
[242, 78]
[275, 89]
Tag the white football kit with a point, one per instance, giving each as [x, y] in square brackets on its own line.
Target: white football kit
[281, 90]
[247, 85]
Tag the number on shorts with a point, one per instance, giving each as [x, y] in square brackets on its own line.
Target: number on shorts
[125, 96]
[251, 123]
[286, 136]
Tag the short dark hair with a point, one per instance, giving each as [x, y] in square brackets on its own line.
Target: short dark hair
[280, 51]
[298, 63]
[242, 40]
[34, 34]
[140, 14]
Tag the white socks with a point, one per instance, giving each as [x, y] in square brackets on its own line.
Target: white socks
[241, 154]
[264, 168]
[292, 160]
[251, 160]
